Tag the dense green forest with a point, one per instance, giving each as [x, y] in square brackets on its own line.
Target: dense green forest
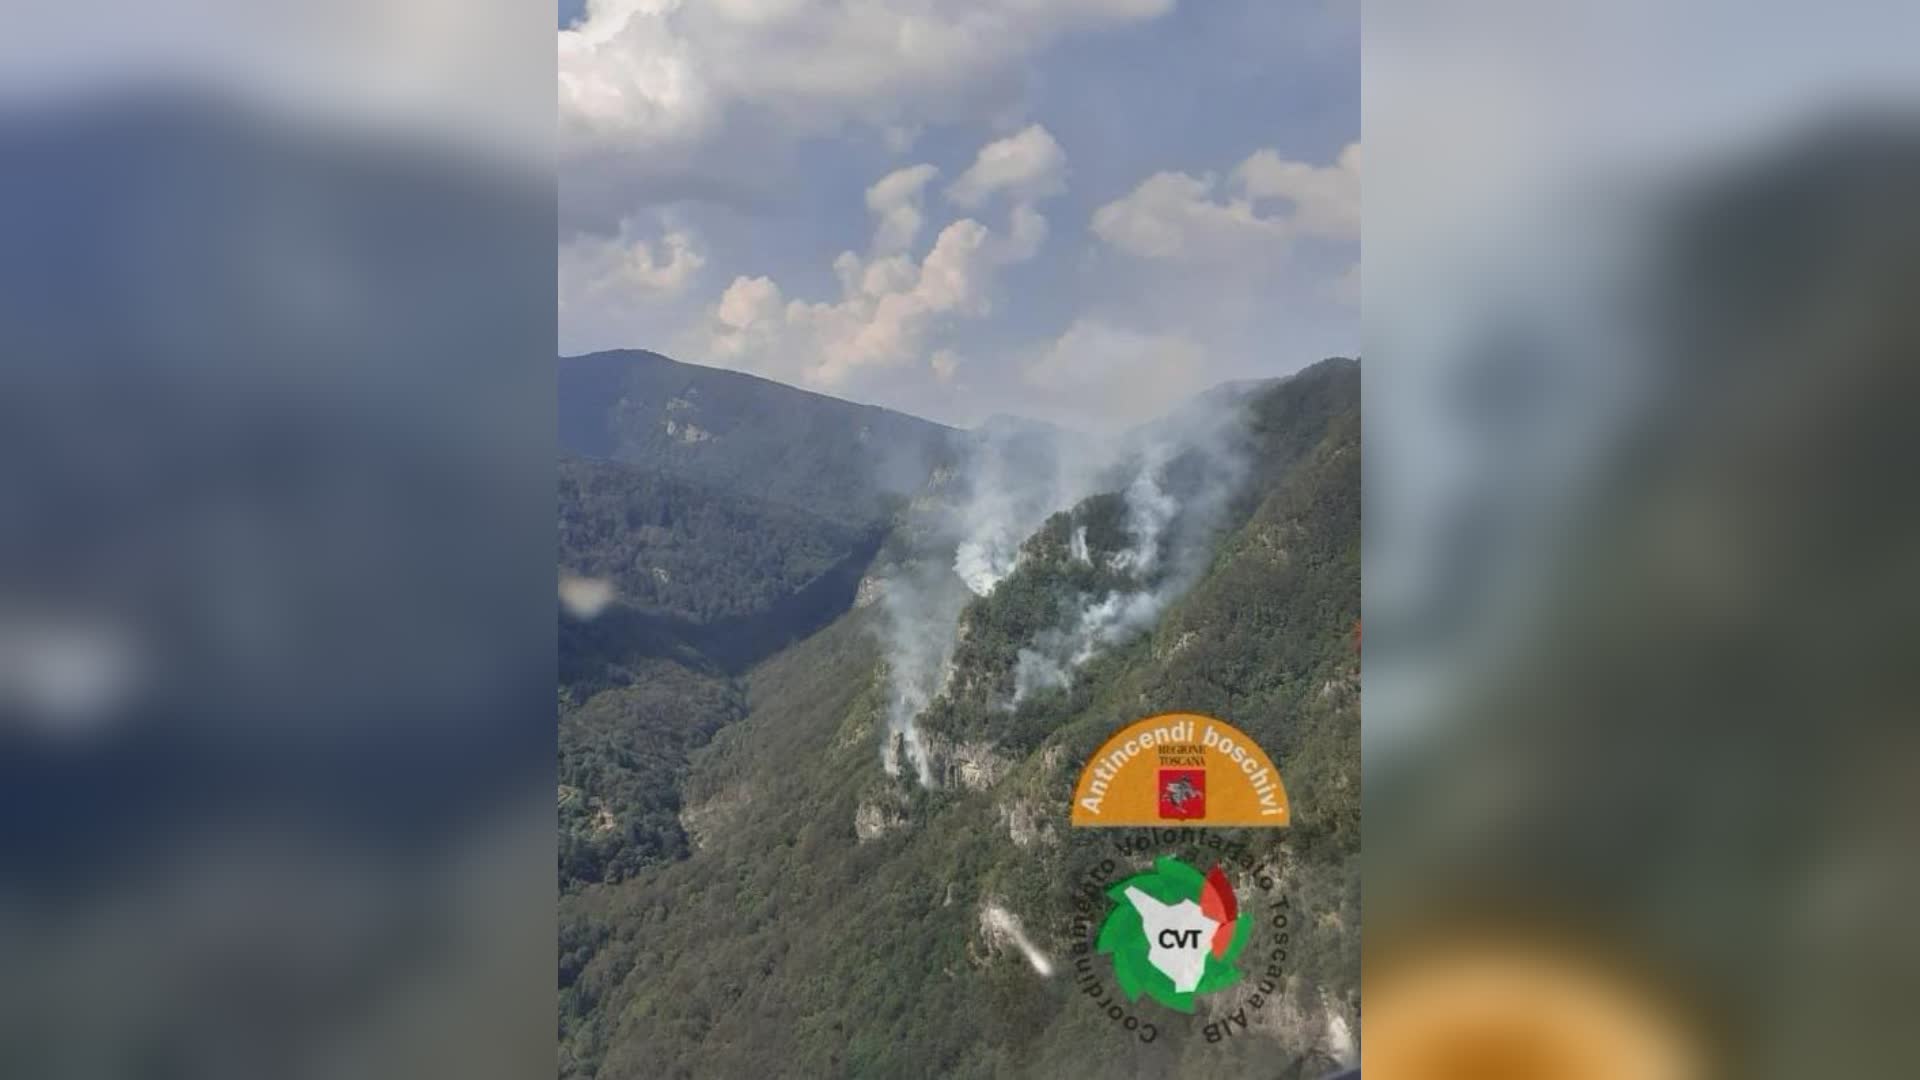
[678, 548]
[745, 927]
[745, 435]
[705, 581]
[623, 756]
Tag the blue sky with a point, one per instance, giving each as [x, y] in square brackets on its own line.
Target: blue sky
[1118, 202]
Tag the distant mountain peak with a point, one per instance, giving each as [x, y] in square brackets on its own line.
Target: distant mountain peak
[743, 433]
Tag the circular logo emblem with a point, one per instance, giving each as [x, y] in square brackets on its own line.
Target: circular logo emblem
[1174, 933]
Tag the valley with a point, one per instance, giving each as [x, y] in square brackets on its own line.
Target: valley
[817, 754]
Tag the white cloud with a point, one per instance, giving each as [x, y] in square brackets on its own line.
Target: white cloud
[1179, 216]
[1326, 199]
[1104, 374]
[1175, 216]
[888, 311]
[767, 12]
[625, 268]
[748, 320]
[748, 302]
[641, 73]
[1029, 166]
[882, 206]
[890, 307]
[1029, 231]
[896, 202]
[626, 70]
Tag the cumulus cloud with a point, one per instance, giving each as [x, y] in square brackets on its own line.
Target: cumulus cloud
[871, 200]
[890, 306]
[887, 309]
[1325, 199]
[625, 268]
[1174, 215]
[1029, 166]
[1263, 206]
[1028, 232]
[896, 201]
[748, 302]
[655, 72]
[628, 70]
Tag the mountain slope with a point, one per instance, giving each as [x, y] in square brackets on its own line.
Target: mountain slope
[832, 921]
[726, 517]
[690, 551]
[743, 434]
[703, 583]
[623, 757]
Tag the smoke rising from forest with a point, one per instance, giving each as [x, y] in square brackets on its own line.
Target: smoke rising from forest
[1177, 476]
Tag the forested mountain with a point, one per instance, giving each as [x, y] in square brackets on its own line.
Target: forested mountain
[743, 434]
[690, 550]
[702, 582]
[754, 895]
[728, 517]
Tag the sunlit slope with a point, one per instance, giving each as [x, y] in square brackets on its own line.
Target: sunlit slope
[830, 921]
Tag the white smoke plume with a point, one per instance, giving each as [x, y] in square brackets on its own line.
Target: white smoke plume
[920, 612]
[1000, 925]
[1162, 559]
[1078, 546]
[985, 560]
[1112, 618]
[1010, 478]
[1015, 476]
[1107, 621]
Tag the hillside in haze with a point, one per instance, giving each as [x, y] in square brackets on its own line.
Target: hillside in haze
[794, 834]
[684, 549]
[743, 434]
[726, 517]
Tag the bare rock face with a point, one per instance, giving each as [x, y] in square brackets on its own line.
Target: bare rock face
[1177, 646]
[872, 820]
[1026, 824]
[1051, 757]
[975, 766]
[869, 591]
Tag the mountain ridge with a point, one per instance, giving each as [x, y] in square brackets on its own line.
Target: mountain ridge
[836, 458]
[650, 356]
[796, 911]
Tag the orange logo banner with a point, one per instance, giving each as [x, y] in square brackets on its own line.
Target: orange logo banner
[1180, 769]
